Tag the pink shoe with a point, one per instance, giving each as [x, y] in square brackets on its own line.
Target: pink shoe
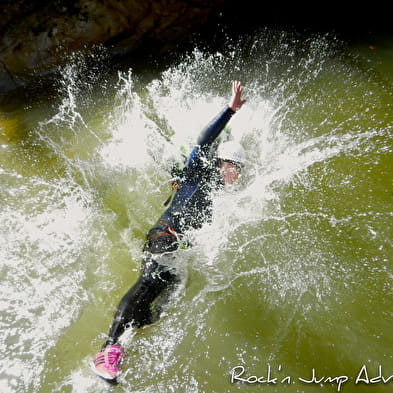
[107, 362]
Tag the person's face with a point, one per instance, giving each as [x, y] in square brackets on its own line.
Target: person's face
[229, 172]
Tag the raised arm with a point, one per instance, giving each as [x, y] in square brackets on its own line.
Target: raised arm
[214, 128]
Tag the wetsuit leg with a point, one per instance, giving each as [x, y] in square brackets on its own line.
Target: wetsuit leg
[136, 307]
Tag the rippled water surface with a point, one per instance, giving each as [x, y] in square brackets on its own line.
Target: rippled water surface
[291, 282]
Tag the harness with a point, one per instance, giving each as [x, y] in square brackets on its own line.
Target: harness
[169, 231]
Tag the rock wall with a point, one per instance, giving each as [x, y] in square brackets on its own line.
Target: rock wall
[37, 36]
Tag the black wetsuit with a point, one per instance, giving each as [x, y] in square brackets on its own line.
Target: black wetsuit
[190, 208]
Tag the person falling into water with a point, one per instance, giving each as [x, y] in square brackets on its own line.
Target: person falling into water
[208, 168]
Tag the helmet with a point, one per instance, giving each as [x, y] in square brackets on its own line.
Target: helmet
[233, 152]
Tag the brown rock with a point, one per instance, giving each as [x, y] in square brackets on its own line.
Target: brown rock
[37, 36]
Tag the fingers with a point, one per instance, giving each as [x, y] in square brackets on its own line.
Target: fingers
[236, 102]
[237, 87]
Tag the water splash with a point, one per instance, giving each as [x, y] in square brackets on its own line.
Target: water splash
[42, 238]
[310, 223]
[294, 132]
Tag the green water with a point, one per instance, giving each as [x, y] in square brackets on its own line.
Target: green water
[293, 274]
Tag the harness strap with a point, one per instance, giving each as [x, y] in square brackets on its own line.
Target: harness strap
[170, 232]
[157, 235]
[167, 230]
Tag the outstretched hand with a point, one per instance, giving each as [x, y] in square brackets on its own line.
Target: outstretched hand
[236, 100]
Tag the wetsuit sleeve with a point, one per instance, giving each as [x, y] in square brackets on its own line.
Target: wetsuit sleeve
[214, 128]
[208, 135]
